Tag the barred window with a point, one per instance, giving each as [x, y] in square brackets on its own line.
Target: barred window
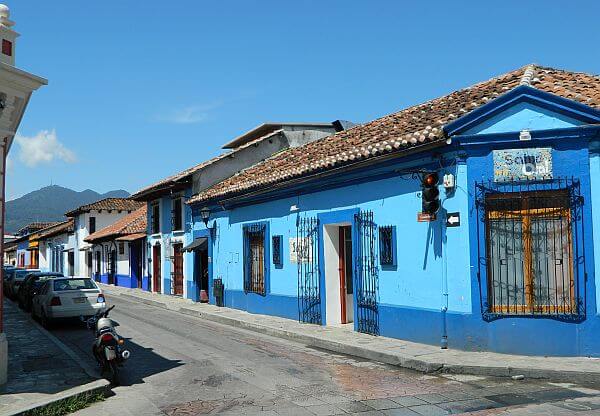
[155, 218]
[530, 253]
[277, 250]
[387, 245]
[255, 259]
[176, 215]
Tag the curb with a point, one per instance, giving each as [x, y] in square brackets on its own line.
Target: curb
[374, 355]
[96, 386]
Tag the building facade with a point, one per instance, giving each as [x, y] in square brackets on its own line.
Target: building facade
[52, 243]
[177, 256]
[87, 219]
[334, 232]
[118, 252]
[16, 88]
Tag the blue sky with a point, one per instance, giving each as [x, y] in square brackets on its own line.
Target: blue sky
[140, 90]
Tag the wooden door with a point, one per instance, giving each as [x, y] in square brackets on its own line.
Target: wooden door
[342, 270]
[156, 268]
[177, 273]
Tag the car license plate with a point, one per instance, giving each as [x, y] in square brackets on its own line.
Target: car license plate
[79, 300]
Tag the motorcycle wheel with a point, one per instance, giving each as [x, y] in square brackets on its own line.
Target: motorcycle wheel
[114, 370]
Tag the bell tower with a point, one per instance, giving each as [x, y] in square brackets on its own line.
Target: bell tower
[7, 37]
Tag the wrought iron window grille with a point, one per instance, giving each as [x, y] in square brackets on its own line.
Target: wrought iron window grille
[387, 245]
[277, 250]
[255, 260]
[531, 249]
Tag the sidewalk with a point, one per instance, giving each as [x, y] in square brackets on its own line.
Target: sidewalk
[41, 369]
[421, 357]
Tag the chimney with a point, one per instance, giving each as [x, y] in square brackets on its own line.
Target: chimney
[7, 36]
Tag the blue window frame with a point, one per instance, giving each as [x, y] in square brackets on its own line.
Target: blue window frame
[256, 258]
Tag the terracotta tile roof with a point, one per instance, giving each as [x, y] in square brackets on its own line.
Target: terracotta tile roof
[36, 226]
[59, 228]
[186, 174]
[118, 204]
[411, 127]
[134, 223]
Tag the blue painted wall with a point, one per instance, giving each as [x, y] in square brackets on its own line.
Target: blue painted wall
[184, 236]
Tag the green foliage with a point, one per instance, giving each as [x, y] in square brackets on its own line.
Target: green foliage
[66, 406]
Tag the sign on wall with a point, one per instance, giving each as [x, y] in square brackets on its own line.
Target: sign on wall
[522, 164]
[300, 250]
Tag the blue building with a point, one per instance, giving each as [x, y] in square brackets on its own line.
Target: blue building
[332, 232]
[177, 252]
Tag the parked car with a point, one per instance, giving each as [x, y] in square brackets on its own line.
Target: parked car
[17, 278]
[30, 285]
[7, 275]
[71, 297]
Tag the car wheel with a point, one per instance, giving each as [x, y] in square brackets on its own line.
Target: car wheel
[45, 321]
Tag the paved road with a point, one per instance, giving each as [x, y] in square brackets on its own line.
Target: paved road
[182, 365]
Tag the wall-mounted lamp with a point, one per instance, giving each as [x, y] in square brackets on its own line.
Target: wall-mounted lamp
[205, 215]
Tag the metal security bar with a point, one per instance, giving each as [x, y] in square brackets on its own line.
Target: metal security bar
[532, 250]
[306, 248]
[386, 254]
[254, 259]
[367, 274]
[277, 248]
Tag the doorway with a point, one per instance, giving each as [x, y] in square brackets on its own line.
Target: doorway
[177, 274]
[136, 256]
[339, 288]
[156, 268]
[201, 273]
[89, 263]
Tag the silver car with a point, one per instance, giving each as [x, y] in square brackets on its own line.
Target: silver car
[67, 298]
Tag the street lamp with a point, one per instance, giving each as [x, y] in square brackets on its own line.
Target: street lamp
[205, 215]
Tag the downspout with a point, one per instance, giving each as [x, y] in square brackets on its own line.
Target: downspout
[444, 341]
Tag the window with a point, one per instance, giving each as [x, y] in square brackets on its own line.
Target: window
[121, 248]
[529, 251]
[7, 47]
[176, 215]
[387, 245]
[73, 284]
[255, 258]
[92, 226]
[155, 218]
[277, 250]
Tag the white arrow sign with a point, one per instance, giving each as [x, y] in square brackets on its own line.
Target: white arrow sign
[453, 219]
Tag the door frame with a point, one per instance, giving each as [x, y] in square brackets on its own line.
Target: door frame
[156, 268]
[345, 216]
[177, 256]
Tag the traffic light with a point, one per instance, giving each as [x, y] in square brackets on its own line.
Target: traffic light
[430, 194]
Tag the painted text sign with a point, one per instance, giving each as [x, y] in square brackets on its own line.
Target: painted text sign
[522, 164]
[300, 250]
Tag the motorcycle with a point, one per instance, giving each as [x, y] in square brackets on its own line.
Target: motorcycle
[108, 346]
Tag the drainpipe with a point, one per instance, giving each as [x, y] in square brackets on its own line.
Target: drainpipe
[444, 340]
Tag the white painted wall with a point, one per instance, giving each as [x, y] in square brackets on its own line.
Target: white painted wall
[331, 236]
[103, 219]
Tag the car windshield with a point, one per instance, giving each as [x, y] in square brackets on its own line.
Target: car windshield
[73, 284]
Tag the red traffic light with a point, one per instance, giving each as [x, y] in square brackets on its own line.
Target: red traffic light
[431, 179]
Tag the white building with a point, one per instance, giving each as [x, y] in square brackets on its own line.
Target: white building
[87, 220]
[16, 87]
[51, 244]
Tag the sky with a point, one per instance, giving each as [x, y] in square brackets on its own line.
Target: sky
[139, 90]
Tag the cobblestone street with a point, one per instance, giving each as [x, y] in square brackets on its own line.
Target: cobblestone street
[181, 365]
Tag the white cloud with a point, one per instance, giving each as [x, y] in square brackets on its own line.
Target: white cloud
[42, 148]
[9, 164]
[188, 115]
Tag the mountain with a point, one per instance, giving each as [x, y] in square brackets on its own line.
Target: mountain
[50, 204]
